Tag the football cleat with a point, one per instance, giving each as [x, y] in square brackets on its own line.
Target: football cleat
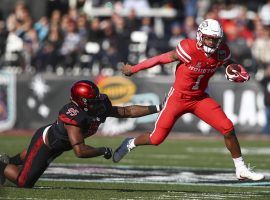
[122, 150]
[246, 173]
[4, 158]
[2, 179]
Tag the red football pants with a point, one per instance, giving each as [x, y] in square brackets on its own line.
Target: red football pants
[178, 104]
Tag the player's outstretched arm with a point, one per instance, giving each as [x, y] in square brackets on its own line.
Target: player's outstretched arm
[82, 150]
[134, 111]
[168, 57]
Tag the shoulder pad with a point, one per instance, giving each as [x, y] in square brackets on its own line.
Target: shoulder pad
[183, 51]
[69, 114]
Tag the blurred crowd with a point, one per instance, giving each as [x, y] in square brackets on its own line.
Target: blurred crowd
[78, 35]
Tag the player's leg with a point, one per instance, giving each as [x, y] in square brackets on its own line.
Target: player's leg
[9, 164]
[18, 158]
[35, 163]
[210, 111]
[164, 123]
[37, 159]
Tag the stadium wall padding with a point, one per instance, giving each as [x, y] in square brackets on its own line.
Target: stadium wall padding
[40, 97]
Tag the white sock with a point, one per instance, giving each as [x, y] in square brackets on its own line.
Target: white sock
[132, 144]
[239, 162]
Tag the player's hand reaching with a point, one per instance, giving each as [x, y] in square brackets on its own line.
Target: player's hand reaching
[126, 69]
[236, 73]
[107, 153]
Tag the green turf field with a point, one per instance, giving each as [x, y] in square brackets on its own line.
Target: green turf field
[177, 169]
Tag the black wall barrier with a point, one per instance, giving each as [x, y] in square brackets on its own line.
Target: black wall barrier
[39, 98]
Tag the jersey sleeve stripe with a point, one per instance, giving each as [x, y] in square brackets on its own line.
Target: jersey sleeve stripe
[181, 56]
[183, 52]
[67, 120]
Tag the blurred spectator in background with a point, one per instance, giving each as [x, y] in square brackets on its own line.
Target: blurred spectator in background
[49, 53]
[177, 34]
[70, 47]
[264, 13]
[132, 21]
[55, 19]
[110, 44]
[95, 33]
[42, 28]
[136, 5]
[82, 27]
[123, 36]
[108, 36]
[190, 27]
[191, 8]
[260, 48]
[147, 26]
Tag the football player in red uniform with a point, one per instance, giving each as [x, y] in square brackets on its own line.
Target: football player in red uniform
[76, 121]
[198, 59]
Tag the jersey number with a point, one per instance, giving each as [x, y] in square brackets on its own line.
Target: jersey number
[197, 84]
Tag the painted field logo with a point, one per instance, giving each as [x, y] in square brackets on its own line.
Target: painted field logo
[119, 89]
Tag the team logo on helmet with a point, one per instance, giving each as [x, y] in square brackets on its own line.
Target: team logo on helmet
[204, 24]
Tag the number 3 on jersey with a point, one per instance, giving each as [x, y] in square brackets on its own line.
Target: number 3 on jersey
[197, 84]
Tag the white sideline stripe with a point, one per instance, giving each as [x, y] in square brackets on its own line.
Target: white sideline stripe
[183, 52]
[222, 150]
[169, 95]
[31, 198]
[253, 184]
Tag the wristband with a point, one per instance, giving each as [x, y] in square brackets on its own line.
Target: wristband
[154, 108]
[159, 108]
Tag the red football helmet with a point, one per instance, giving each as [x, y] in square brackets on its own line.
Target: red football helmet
[85, 93]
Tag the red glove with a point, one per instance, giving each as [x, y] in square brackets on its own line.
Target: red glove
[240, 75]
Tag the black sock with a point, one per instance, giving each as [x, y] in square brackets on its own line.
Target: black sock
[16, 160]
[2, 167]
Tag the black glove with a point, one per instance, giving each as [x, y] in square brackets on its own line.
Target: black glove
[107, 153]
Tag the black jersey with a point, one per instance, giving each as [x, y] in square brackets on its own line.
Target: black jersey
[73, 115]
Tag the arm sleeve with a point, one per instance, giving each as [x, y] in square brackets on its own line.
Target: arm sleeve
[151, 62]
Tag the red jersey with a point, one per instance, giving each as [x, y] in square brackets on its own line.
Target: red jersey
[195, 70]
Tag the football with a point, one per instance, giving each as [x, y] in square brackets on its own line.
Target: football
[232, 68]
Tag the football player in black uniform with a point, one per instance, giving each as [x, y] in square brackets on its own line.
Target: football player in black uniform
[76, 121]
